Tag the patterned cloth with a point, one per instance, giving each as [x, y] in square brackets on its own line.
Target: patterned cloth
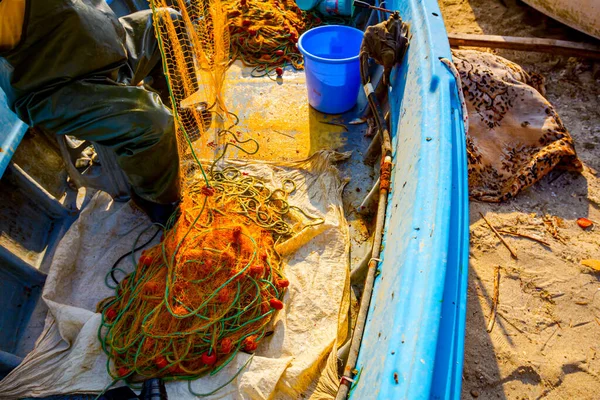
[515, 136]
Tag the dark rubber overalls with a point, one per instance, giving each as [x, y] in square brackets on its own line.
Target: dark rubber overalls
[75, 72]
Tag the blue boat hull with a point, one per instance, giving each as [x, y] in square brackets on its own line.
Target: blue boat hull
[413, 343]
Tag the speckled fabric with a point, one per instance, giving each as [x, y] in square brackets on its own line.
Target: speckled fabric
[515, 136]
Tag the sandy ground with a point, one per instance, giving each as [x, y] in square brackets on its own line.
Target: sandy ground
[546, 339]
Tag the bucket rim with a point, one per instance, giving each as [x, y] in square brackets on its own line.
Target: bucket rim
[322, 59]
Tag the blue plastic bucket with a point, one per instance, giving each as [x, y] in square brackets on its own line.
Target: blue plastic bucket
[332, 67]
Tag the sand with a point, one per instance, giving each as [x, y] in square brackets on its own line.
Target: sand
[546, 339]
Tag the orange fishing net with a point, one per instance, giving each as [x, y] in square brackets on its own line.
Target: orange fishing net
[209, 289]
[264, 33]
[212, 285]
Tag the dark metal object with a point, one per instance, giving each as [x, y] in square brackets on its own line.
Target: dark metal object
[120, 393]
[396, 29]
[154, 389]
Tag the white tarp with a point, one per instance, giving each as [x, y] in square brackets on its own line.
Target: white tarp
[67, 357]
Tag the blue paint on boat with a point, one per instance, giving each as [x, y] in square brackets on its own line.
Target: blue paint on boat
[413, 343]
[13, 130]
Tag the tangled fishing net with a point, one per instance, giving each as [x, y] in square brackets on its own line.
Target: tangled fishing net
[264, 33]
[213, 284]
[209, 289]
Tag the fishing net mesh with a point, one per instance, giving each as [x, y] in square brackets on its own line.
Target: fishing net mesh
[212, 285]
[265, 33]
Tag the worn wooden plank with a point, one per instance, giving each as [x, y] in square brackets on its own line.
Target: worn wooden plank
[562, 47]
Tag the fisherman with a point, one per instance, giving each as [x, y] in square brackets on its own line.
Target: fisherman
[73, 68]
